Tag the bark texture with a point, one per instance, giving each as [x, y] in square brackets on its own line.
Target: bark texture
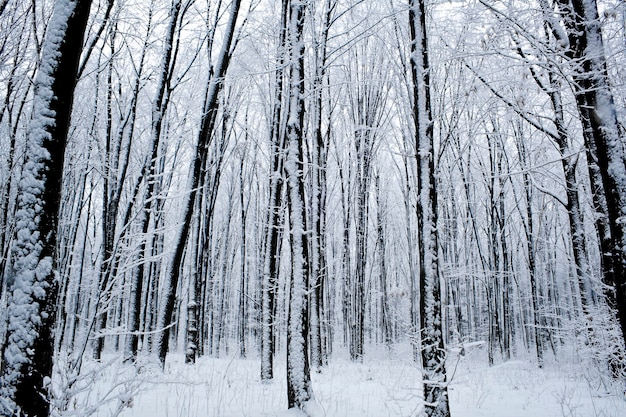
[27, 357]
[432, 349]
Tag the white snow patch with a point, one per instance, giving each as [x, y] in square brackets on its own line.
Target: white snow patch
[387, 385]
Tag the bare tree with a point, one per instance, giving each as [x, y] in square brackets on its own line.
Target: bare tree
[209, 115]
[319, 191]
[275, 216]
[27, 357]
[150, 170]
[432, 349]
[299, 391]
[594, 98]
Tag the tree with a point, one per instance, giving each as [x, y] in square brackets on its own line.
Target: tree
[115, 168]
[299, 391]
[209, 115]
[546, 69]
[27, 357]
[432, 349]
[367, 100]
[14, 49]
[319, 192]
[594, 98]
[275, 218]
[150, 170]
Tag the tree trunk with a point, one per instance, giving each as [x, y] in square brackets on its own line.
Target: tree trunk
[385, 319]
[529, 228]
[27, 357]
[319, 151]
[242, 304]
[275, 216]
[204, 139]
[432, 348]
[299, 390]
[598, 115]
[159, 108]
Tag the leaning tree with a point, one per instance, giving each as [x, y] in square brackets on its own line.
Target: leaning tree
[27, 356]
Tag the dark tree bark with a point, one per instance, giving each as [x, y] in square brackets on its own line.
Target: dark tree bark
[299, 391]
[505, 266]
[27, 357]
[530, 231]
[242, 302]
[159, 108]
[598, 115]
[205, 135]
[319, 156]
[385, 316]
[275, 215]
[432, 348]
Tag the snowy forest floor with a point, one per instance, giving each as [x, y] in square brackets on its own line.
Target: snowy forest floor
[386, 384]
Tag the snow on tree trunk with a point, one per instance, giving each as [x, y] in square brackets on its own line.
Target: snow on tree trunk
[166, 311]
[299, 391]
[319, 156]
[159, 107]
[275, 216]
[529, 225]
[385, 319]
[432, 349]
[27, 357]
[597, 109]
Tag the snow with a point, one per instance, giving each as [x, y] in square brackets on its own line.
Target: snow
[386, 384]
[519, 389]
[30, 269]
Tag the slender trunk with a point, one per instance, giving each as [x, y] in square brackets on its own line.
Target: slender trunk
[506, 293]
[385, 319]
[319, 151]
[433, 352]
[110, 206]
[243, 254]
[204, 139]
[531, 249]
[299, 390]
[275, 217]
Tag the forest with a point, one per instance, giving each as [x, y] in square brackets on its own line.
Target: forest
[256, 207]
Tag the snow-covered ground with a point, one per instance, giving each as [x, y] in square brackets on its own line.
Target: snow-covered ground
[387, 384]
